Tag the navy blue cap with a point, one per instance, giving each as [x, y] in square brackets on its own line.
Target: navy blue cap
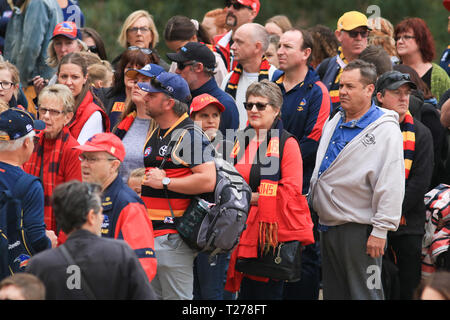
[17, 123]
[170, 83]
[194, 51]
[150, 70]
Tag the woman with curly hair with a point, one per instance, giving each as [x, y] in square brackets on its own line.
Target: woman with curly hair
[325, 44]
[416, 48]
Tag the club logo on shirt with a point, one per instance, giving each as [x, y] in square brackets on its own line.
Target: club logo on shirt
[105, 224]
[301, 105]
[368, 139]
[147, 151]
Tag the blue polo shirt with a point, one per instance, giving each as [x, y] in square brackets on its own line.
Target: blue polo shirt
[345, 132]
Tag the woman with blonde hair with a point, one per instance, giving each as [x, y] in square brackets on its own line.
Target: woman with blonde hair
[139, 31]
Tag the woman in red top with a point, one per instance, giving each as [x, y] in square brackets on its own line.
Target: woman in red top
[53, 159]
[89, 118]
[257, 155]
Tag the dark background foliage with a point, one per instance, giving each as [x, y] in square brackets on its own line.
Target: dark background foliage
[107, 16]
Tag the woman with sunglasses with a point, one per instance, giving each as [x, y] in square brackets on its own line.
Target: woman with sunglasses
[181, 30]
[89, 118]
[139, 31]
[269, 159]
[94, 42]
[54, 160]
[416, 48]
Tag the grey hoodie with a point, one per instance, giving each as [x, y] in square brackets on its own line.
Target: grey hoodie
[366, 182]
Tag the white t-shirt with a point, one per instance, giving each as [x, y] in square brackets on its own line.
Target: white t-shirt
[245, 80]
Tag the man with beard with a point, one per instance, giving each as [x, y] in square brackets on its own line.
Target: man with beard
[239, 12]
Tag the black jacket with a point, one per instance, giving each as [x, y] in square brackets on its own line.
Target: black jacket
[110, 267]
[413, 209]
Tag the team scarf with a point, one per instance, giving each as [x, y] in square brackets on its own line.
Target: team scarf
[35, 167]
[344, 60]
[268, 167]
[237, 72]
[409, 145]
[125, 125]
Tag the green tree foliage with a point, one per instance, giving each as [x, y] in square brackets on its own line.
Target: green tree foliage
[107, 16]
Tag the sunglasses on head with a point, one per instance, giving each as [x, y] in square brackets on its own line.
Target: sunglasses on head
[354, 34]
[259, 106]
[236, 5]
[158, 85]
[143, 50]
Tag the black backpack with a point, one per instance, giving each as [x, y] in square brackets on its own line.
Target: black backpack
[15, 250]
[214, 222]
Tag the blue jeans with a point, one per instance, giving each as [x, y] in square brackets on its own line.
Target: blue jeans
[209, 280]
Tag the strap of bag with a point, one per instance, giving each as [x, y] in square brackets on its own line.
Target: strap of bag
[86, 288]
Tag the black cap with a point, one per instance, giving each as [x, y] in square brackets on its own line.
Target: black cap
[392, 80]
[18, 123]
[195, 51]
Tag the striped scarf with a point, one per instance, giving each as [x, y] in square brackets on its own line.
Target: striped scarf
[125, 125]
[269, 169]
[35, 167]
[409, 145]
[237, 72]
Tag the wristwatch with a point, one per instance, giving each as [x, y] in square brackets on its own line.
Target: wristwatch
[165, 182]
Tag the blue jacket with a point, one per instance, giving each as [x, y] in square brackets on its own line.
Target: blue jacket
[306, 108]
[28, 35]
[229, 119]
[125, 218]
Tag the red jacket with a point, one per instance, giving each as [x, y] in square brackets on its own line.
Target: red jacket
[224, 49]
[85, 110]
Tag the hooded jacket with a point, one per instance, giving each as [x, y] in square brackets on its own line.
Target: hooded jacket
[366, 182]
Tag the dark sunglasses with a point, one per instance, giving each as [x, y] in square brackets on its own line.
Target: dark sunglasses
[143, 50]
[354, 34]
[158, 85]
[259, 106]
[236, 5]
[93, 49]
[182, 65]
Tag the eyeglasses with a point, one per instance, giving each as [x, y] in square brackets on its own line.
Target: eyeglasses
[91, 160]
[236, 5]
[182, 65]
[54, 113]
[143, 50]
[353, 34]
[259, 106]
[6, 85]
[404, 38]
[93, 49]
[137, 29]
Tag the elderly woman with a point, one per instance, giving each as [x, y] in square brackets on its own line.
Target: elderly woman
[135, 125]
[139, 30]
[89, 118]
[269, 159]
[53, 159]
[416, 48]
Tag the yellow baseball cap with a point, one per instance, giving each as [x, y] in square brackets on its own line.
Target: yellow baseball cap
[352, 20]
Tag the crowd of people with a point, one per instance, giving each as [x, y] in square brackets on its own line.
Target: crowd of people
[340, 135]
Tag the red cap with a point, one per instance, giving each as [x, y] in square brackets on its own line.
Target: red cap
[254, 4]
[204, 100]
[67, 29]
[107, 142]
[446, 4]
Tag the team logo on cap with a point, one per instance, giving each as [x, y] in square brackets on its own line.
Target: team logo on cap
[147, 68]
[184, 49]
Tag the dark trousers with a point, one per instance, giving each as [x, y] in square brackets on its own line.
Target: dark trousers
[407, 249]
[307, 288]
[258, 290]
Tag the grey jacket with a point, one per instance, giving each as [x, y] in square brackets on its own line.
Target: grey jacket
[27, 37]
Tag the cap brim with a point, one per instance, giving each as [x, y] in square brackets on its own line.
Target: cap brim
[398, 84]
[177, 57]
[38, 125]
[64, 35]
[88, 148]
[148, 87]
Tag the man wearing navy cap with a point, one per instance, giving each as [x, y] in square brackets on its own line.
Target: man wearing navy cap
[16, 146]
[196, 63]
[179, 165]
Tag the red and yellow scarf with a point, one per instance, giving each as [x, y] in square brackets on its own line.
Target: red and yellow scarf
[125, 125]
[409, 145]
[237, 72]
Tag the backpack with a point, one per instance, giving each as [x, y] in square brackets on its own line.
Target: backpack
[215, 226]
[14, 246]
